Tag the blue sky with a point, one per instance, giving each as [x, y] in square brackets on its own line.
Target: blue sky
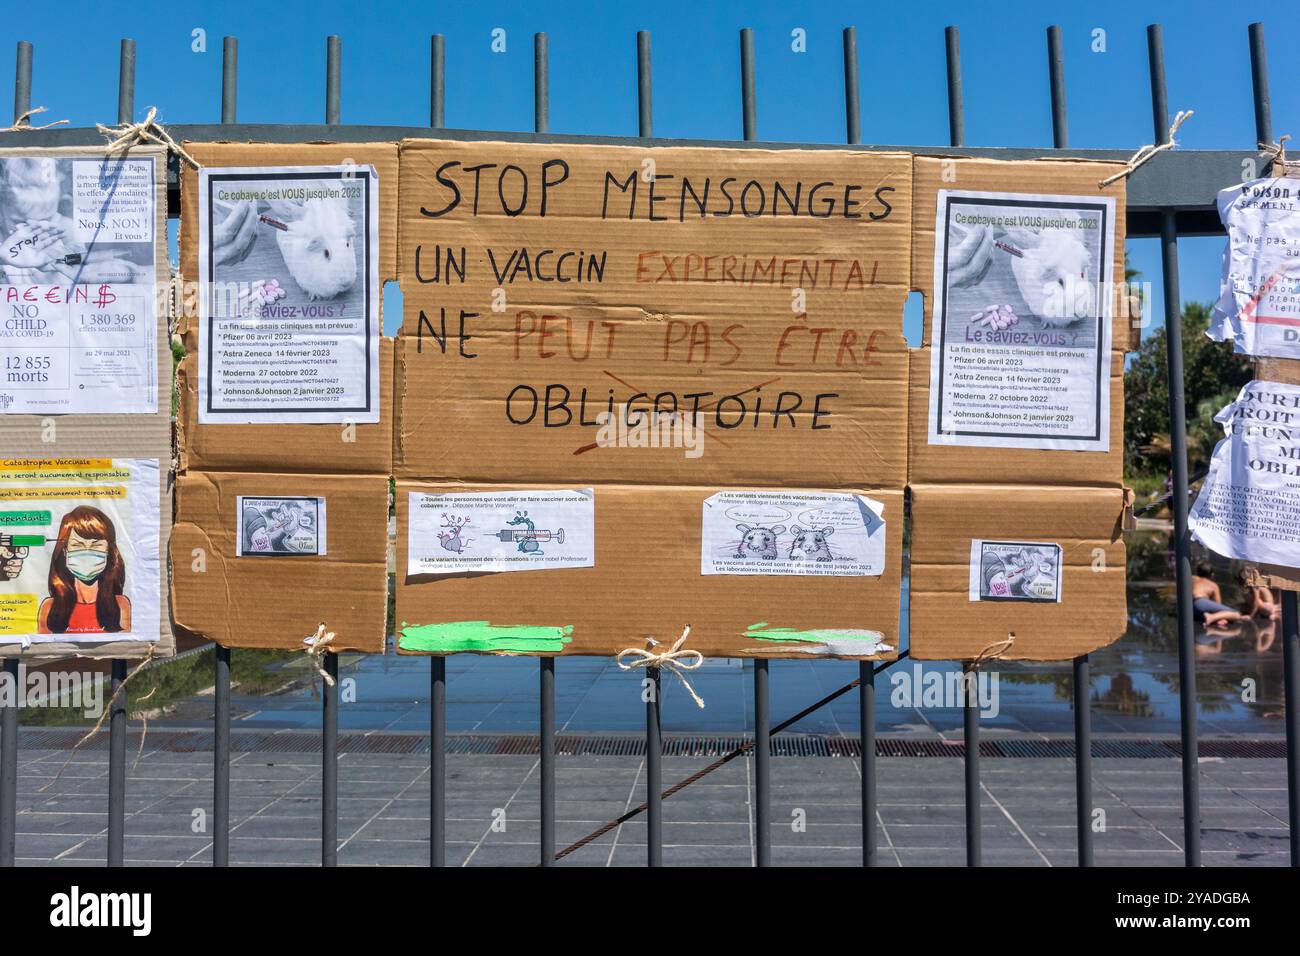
[696, 60]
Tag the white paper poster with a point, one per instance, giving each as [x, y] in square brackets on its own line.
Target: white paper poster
[1021, 328]
[500, 531]
[792, 533]
[1015, 571]
[1249, 504]
[280, 526]
[79, 550]
[289, 294]
[77, 286]
[1259, 293]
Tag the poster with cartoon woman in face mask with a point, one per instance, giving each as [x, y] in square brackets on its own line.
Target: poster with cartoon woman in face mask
[79, 550]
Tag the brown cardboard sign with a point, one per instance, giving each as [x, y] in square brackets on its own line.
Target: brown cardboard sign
[757, 293]
[651, 328]
[99, 258]
[991, 561]
[273, 599]
[359, 448]
[939, 462]
[646, 581]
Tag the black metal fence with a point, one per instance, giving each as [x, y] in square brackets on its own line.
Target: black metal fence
[1171, 196]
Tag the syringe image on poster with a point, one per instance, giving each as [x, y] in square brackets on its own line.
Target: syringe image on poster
[500, 531]
[79, 550]
[1021, 329]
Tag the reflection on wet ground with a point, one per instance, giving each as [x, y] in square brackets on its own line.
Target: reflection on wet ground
[1134, 685]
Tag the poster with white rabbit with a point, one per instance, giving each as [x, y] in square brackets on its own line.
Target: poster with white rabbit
[77, 285]
[792, 533]
[1021, 325]
[289, 295]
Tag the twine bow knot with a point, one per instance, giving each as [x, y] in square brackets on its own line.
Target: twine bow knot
[675, 660]
[1148, 151]
[317, 644]
[147, 130]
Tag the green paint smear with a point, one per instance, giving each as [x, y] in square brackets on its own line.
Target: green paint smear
[765, 632]
[484, 636]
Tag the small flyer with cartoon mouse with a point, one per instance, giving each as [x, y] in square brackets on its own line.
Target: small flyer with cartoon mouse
[79, 549]
[794, 533]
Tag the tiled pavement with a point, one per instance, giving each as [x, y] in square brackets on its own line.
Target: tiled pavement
[1028, 811]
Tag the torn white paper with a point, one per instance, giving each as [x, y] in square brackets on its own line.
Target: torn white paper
[1249, 504]
[1259, 291]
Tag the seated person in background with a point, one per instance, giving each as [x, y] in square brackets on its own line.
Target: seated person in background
[1207, 600]
[1258, 601]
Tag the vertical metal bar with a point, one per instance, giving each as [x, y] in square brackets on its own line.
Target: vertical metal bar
[8, 759]
[126, 82]
[1178, 440]
[762, 718]
[546, 665]
[22, 79]
[221, 685]
[956, 111]
[970, 708]
[438, 664]
[333, 80]
[1291, 689]
[971, 739]
[437, 81]
[1056, 78]
[644, 87]
[1290, 617]
[117, 766]
[438, 761]
[541, 84]
[654, 771]
[221, 760]
[546, 746]
[1259, 84]
[229, 78]
[117, 710]
[762, 766]
[866, 669]
[852, 108]
[747, 94]
[1083, 758]
[329, 802]
[867, 738]
[1082, 680]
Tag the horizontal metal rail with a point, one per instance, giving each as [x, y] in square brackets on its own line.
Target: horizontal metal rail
[1185, 182]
